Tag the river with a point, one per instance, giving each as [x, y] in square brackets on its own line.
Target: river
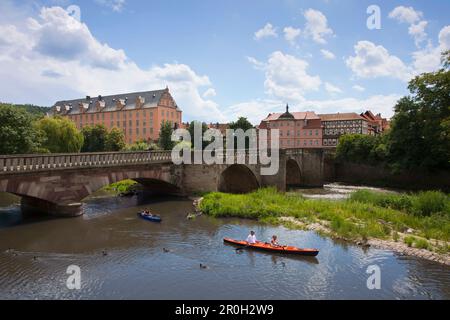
[124, 257]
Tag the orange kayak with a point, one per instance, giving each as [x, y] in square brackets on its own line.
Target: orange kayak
[268, 247]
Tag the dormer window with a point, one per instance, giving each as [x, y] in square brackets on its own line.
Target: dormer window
[140, 102]
[58, 108]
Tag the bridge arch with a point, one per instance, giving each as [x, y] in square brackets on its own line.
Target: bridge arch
[238, 178]
[293, 173]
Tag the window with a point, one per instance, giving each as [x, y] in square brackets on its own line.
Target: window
[130, 122]
[124, 123]
[310, 132]
[137, 131]
[144, 130]
[103, 116]
[137, 123]
[317, 132]
[118, 123]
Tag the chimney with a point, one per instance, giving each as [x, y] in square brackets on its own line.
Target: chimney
[100, 97]
[88, 98]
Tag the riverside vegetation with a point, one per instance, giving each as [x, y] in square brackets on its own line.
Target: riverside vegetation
[420, 220]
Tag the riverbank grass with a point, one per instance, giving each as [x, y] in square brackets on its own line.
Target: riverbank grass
[123, 186]
[364, 215]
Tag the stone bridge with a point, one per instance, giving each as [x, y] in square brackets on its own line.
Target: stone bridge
[57, 183]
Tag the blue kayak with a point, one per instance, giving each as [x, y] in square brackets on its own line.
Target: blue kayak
[152, 218]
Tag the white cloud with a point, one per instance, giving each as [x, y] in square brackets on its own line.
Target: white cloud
[60, 59]
[358, 88]
[405, 14]
[429, 58]
[60, 36]
[211, 92]
[383, 104]
[287, 77]
[418, 32]
[332, 88]
[267, 31]
[115, 5]
[258, 65]
[444, 38]
[372, 61]
[291, 33]
[256, 110]
[327, 54]
[413, 18]
[316, 26]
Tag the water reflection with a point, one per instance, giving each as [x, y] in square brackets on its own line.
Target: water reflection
[135, 265]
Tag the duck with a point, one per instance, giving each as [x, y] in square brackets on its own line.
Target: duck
[203, 266]
[104, 253]
[166, 250]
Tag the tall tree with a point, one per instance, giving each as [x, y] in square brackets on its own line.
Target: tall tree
[94, 138]
[204, 127]
[244, 124]
[61, 135]
[17, 134]
[165, 136]
[420, 131]
[115, 140]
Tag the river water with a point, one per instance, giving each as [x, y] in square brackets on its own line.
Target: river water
[124, 257]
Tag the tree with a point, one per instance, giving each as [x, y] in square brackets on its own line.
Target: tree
[17, 134]
[420, 130]
[165, 136]
[61, 135]
[115, 140]
[191, 127]
[241, 123]
[137, 146]
[94, 138]
[361, 148]
[244, 124]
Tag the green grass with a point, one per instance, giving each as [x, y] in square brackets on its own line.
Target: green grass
[366, 214]
[121, 186]
[421, 204]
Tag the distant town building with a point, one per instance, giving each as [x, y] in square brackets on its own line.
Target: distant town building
[222, 127]
[337, 124]
[377, 124]
[297, 129]
[138, 114]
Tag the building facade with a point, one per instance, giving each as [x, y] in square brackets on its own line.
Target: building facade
[337, 124]
[138, 114]
[377, 124]
[297, 129]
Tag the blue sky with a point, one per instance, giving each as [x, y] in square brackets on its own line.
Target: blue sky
[221, 59]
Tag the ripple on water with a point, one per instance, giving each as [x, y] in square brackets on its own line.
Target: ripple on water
[136, 267]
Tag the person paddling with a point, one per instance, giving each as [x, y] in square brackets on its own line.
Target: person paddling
[274, 241]
[251, 239]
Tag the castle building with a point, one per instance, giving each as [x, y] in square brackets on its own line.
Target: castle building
[138, 114]
[297, 129]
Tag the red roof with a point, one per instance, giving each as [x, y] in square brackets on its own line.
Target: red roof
[309, 115]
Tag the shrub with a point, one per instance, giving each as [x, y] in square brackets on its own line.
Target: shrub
[409, 241]
[422, 244]
[429, 202]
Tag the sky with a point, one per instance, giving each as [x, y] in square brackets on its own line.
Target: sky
[222, 59]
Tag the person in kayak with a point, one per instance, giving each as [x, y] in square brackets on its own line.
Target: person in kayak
[251, 239]
[274, 241]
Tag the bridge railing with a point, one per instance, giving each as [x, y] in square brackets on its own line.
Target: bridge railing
[29, 163]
